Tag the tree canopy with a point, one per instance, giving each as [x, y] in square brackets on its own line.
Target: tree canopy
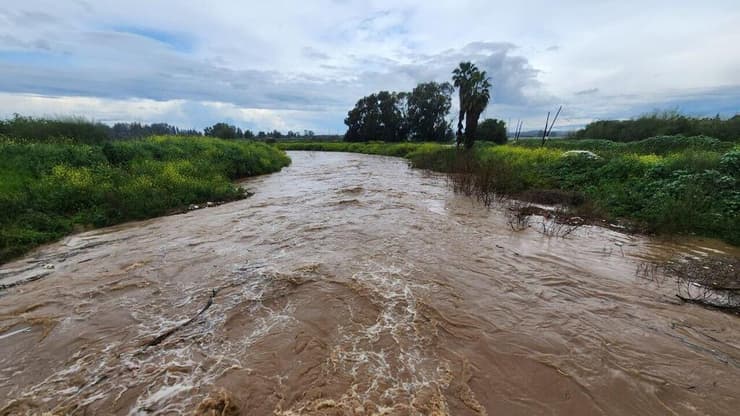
[377, 117]
[492, 130]
[223, 131]
[428, 105]
[419, 115]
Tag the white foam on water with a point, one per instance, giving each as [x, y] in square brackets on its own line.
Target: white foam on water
[172, 373]
[401, 372]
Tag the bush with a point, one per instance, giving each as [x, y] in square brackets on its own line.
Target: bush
[492, 130]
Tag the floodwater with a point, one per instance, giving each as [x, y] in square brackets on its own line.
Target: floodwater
[351, 284]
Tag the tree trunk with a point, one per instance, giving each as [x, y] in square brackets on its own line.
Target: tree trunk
[471, 126]
[459, 135]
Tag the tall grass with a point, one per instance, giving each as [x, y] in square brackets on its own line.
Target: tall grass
[47, 190]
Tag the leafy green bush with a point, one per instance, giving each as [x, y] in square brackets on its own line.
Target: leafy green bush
[730, 163]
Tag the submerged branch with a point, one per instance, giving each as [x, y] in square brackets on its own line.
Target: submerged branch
[158, 340]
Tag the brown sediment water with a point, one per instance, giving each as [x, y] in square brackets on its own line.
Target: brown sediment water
[351, 284]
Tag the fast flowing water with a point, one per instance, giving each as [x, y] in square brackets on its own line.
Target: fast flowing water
[351, 284]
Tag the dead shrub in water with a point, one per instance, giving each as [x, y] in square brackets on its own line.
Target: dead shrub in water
[554, 223]
[713, 281]
[518, 216]
[487, 182]
[559, 224]
[652, 272]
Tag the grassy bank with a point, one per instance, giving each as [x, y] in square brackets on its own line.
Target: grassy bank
[660, 145]
[669, 185]
[370, 148]
[48, 190]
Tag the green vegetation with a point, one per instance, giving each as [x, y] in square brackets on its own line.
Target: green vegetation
[427, 107]
[660, 145]
[80, 130]
[492, 130]
[377, 116]
[227, 131]
[674, 185]
[662, 124]
[48, 190]
[370, 148]
[54, 130]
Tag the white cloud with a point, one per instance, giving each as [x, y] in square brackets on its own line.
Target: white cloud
[293, 64]
[182, 113]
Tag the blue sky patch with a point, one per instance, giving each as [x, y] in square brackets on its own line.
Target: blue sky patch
[177, 41]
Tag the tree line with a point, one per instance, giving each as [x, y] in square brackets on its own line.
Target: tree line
[229, 131]
[662, 124]
[421, 114]
[81, 130]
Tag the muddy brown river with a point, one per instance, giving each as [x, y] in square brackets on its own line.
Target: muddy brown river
[351, 284]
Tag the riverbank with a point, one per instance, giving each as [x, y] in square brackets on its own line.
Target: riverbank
[49, 190]
[665, 185]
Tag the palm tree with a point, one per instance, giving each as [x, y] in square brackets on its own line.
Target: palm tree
[461, 77]
[475, 94]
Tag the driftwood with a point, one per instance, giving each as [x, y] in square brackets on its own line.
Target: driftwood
[158, 340]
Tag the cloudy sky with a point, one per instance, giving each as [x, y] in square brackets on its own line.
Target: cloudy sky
[303, 64]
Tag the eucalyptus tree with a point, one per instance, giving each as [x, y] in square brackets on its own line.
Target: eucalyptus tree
[378, 116]
[427, 108]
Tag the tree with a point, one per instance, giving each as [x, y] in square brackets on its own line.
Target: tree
[377, 117]
[427, 108]
[461, 77]
[492, 130]
[474, 88]
[222, 130]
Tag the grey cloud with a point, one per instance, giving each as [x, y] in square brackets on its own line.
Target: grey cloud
[35, 17]
[312, 53]
[589, 91]
[135, 67]
[511, 75]
[323, 57]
